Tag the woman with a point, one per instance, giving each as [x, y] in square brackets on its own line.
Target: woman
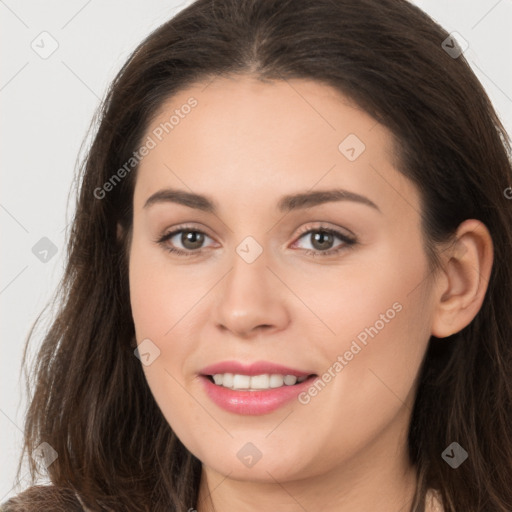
[203, 358]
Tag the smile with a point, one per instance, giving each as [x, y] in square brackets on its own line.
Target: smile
[255, 382]
[255, 388]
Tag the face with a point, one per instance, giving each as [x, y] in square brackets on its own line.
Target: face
[330, 290]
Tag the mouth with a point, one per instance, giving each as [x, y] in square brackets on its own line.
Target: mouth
[261, 382]
[257, 389]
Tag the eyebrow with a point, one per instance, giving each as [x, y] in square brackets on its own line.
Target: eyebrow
[286, 203]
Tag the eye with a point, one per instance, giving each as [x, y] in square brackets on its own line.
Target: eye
[190, 239]
[322, 239]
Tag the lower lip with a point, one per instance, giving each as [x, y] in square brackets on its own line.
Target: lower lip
[253, 402]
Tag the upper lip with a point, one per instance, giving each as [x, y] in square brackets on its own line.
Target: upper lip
[256, 368]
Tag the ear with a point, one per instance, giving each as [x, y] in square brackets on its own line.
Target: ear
[461, 287]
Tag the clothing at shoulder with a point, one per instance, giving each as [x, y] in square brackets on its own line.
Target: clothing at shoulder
[433, 502]
[48, 498]
[43, 498]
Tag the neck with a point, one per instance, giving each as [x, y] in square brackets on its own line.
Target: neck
[381, 478]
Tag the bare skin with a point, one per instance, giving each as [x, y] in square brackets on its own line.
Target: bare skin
[245, 145]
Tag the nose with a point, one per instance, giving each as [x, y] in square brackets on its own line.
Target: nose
[251, 299]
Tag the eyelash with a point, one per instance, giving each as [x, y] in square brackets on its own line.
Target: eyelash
[348, 242]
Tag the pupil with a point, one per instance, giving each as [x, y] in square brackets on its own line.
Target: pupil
[192, 237]
[324, 239]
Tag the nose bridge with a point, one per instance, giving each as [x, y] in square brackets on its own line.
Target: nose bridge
[249, 297]
[247, 282]
[250, 250]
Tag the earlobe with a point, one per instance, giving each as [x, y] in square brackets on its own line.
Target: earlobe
[466, 270]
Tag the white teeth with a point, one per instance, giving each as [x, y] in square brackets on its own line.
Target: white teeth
[260, 381]
[276, 381]
[241, 382]
[255, 382]
[290, 380]
[227, 380]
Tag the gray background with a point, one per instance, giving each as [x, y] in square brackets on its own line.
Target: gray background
[47, 105]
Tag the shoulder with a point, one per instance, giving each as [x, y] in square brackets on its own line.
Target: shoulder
[47, 498]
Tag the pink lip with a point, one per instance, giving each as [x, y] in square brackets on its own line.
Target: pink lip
[257, 368]
[252, 402]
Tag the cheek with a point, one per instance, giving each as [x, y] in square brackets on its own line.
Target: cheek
[162, 294]
[164, 299]
[373, 292]
[378, 323]
[157, 300]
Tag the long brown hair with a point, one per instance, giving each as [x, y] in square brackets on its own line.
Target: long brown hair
[91, 402]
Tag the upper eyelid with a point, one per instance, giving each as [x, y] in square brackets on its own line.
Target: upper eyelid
[327, 226]
[174, 231]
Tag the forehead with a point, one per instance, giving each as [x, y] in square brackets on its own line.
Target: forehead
[245, 109]
[239, 135]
